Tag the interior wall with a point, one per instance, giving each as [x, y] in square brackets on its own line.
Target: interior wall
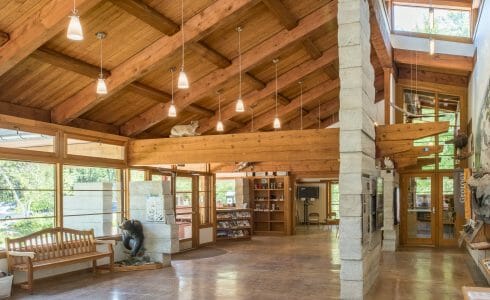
[319, 206]
[479, 98]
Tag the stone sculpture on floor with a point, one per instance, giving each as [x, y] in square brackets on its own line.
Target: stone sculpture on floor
[132, 235]
[185, 130]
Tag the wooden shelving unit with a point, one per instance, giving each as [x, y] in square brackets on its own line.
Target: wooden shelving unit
[234, 224]
[271, 205]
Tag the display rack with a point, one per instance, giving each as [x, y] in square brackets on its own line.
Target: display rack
[233, 224]
[271, 205]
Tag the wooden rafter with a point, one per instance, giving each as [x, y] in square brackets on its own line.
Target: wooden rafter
[310, 95]
[409, 131]
[438, 60]
[148, 59]
[295, 145]
[41, 26]
[251, 58]
[388, 148]
[417, 151]
[4, 38]
[287, 19]
[380, 34]
[326, 165]
[286, 79]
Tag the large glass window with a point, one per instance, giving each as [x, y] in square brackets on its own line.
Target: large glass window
[27, 198]
[92, 199]
[94, 149]
[204, 200]
[334, 199]
[225, 192]
[183, 206]
[451, 22]
[137, 175]
[18, 139]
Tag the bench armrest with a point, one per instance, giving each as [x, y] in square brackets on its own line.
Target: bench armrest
[22, 253]
[109, 242]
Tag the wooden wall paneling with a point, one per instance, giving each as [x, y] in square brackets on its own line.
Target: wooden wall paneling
[148, 59]
[37, 29]
[267, 146]
[250, 58]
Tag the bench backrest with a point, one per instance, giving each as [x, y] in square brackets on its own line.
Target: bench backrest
[53, 243]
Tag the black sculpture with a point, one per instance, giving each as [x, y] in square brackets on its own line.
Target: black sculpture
[132, 235]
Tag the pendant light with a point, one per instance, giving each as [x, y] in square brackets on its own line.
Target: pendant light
[172, 111]
[183, 81]
[301, 103]
[277, 123]
[101, 85]
[74, 31]
[219, 125]
[239, 107]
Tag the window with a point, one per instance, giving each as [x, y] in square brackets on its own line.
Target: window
[450, 22]
[183, 206]
[27, 198]
[94, 149]
[204, 200]
[137, 175]
[25, 140]
[334, 199]
[225, 193]
[92, 199]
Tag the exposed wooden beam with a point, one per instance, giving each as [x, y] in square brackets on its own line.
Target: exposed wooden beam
[409, 131]
[148, 59]
[66, 62]
[312, 49]
[97, 126]
[282, 99]
[388, 148]
[259, 84]
[438, 60]
[414, 162]
[433, 77]
[380, 34]
[4, 38]
[233, 123]
[38, 28]
[320, 174]
[387, 94]
[296, 145]
[148, 91]
[197, 109]
[331, 165]
[290, 77]
[210, 54]
[308, 96]
[148, 15]
[332, 70]
[251, 58]
[417, 151]
[286, 18]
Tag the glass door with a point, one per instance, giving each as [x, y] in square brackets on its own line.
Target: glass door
[449, 219]
[420, 209]
[184, 210]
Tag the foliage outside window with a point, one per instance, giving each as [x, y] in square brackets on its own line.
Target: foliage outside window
[136, 175]
[204, 200]
[335, 199]
[225, 193]
[27, 198]
[451, 22]
[92, 199]
[183, 206]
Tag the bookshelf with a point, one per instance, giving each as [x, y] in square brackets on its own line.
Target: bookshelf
[270, 201]
[233, 224]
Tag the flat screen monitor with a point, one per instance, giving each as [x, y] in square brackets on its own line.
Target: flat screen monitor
[308, 192]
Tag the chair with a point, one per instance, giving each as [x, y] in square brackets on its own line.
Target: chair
[314, 218]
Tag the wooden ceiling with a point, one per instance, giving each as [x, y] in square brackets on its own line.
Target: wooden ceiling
[45, 76]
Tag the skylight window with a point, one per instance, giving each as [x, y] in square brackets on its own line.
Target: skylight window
[416, 19]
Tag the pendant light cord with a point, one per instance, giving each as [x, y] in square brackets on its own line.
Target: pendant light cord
[101, 71]
[276, 86]
[319, 116]
[172, 75]
[219, 106]
[182, 30]
[239, 63]
[252, 119]
[301, 102]
[74, 7]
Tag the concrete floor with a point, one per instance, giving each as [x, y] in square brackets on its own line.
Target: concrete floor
[305, 266]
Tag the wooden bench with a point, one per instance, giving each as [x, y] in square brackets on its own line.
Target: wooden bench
[52, 248]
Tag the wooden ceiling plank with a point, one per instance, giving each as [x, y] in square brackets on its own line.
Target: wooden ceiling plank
[148, 91]
[417, 151]
[210, 54]
[388, 148]
[286, 18]
[97, 126]
[251, 79]
[433, 77]
[66, 62]
[438, 60]
[380, 34]
[37, 30]
[290, 77]
[308, 96]
[251, 58]
[332, 70]
[197, 109]
[148, 15]
[4, 38]
[331, 119]
[148, 59]
[311, 119]
[311, 48]
[409, 131]
[294, 145]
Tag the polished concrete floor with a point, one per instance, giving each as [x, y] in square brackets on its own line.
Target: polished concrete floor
[305, 266]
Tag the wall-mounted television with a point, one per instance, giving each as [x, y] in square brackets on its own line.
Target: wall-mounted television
[308, 192]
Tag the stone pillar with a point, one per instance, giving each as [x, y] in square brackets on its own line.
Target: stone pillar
[242, 193]
[391, 238]
[161, 236]
[359, 253]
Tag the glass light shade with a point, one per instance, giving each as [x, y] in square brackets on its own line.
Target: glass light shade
[219, 126]
[239, 107]
[432, 46]
[172, 112]
[74, 32]
[183, 82]
[101, 86]
[277, 123]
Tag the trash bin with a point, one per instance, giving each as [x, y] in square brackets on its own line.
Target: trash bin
[6, 286]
